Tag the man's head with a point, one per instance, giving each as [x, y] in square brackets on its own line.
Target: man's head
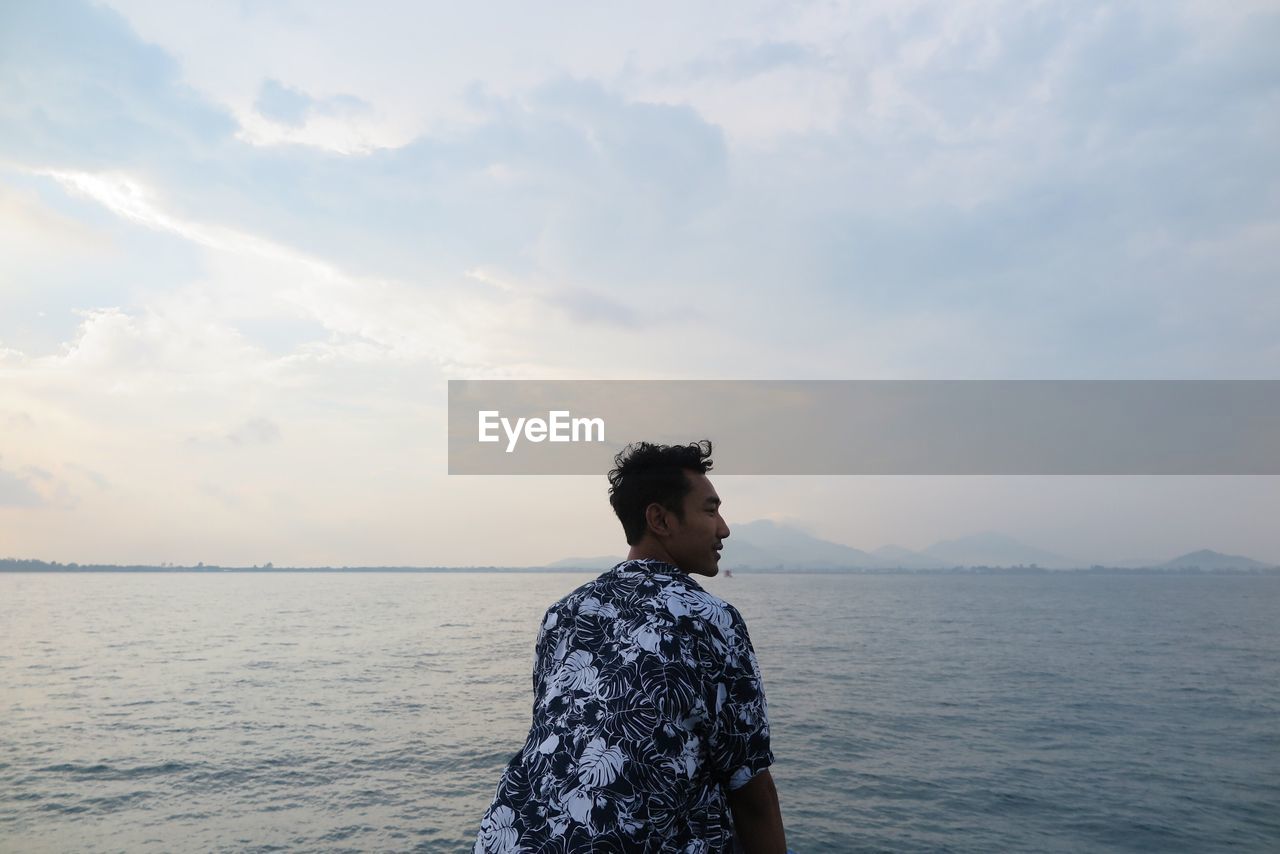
[667, 506]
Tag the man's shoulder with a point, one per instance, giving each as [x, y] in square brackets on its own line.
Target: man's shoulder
[708, 607]
[697, 592]
[606, 586]
[578, 594]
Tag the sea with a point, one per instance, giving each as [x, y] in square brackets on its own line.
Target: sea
[327, 711]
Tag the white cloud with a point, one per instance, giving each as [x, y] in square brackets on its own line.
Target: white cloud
[185, 327]
[286, 116]
[134, 348]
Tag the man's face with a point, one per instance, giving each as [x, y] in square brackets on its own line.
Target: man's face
[696, 539]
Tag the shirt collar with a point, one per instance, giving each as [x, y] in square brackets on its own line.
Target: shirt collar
[652, 566]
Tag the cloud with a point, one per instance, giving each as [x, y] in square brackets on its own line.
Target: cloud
[282, 104]
[29, 224]
[279, 287]
[165, 348]
[16, 420]
[255, 431]
[96, 478]
[587, 307]
[228, 500]
[292, 107]
[78, 87]
[591, 169]
[742, 60]
[1034, 171]
[16, 491]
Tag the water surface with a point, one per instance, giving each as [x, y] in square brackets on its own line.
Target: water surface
[322, 711]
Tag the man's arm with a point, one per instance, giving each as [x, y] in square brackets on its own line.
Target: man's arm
[757, 817]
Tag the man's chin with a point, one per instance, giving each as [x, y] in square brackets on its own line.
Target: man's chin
[710, 568]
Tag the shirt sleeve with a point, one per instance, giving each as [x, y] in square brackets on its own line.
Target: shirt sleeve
[739, 740]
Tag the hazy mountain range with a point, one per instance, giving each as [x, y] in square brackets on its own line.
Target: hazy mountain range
[764, 544]
[767, 545]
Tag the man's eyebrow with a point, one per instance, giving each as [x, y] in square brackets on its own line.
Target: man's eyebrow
[713, 501]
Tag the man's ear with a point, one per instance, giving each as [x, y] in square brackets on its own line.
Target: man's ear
[657, 519]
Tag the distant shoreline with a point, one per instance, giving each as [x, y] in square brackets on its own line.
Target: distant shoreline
[42, 567]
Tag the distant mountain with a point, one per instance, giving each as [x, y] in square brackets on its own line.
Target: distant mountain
[1208, 559]
[739, 553]
[764, 544]
[992, 549]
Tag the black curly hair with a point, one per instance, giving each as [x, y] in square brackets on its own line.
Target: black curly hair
[644, 473]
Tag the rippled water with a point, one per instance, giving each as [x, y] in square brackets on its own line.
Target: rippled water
[374, 712]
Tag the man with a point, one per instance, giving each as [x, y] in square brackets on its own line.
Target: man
[650, 731]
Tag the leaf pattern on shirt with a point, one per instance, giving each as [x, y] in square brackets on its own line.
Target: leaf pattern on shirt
[578, 672]
[600, 764]
[648, 706]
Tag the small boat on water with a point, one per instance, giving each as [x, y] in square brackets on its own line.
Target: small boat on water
[728, 573]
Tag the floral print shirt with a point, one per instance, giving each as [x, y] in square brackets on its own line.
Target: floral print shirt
[648, 708]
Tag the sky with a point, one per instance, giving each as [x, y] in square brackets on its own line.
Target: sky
[244, 246]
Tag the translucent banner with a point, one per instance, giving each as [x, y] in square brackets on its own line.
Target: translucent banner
[814, 427]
